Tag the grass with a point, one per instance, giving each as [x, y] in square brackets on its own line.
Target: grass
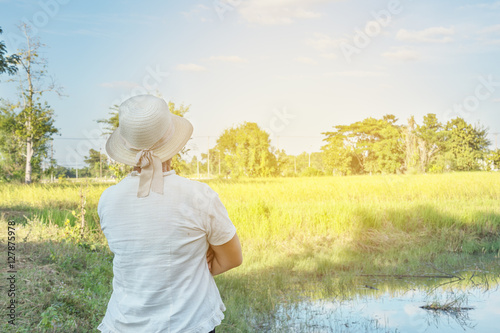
[301, 237]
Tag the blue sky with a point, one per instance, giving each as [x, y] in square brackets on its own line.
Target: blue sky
[296, 67]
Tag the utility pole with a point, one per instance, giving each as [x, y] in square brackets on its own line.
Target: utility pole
[219, 162]
[496, 141]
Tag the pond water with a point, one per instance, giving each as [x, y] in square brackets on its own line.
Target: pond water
[471, 308]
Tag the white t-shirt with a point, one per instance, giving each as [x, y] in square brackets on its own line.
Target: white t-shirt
[161, 279]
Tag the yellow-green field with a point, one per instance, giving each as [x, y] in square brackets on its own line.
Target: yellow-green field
[300, 237]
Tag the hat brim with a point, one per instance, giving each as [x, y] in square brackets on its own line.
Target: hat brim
[115, 147]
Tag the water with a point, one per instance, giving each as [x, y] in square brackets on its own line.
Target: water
[475, 308]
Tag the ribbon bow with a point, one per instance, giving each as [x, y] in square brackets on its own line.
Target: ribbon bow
[151, 173]
[151, 168]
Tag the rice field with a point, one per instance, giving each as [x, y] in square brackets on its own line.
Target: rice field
[301, 237]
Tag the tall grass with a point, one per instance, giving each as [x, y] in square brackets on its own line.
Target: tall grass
[300, 236]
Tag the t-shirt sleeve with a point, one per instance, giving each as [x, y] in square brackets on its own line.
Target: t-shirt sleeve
[220, 227]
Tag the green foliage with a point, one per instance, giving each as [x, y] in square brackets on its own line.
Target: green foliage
[375, 144]
[14, 135]
[336, 155]
[7, 63]
[431, 136]
[112, 122]
[246, 150]
[311, 172]
[381, 146]
[97, 161]
[466, 143]
[120, 170]
[493, 160]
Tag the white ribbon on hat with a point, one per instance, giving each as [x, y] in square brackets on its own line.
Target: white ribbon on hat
[150, 164]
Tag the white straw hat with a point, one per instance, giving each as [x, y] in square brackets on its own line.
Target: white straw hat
[148, 134]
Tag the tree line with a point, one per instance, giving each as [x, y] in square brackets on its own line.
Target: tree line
[370, 146]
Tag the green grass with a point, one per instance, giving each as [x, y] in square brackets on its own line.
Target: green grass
[300, 236]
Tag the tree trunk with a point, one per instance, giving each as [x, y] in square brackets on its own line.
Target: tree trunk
[29, 154]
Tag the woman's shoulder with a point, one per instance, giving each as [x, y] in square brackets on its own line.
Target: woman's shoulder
[195, 188]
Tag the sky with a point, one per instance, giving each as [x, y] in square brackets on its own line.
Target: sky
[295, 67]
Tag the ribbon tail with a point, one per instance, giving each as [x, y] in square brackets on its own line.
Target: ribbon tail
[157, 178]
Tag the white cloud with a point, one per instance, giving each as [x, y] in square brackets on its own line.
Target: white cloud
[429, 35]
[234, 59]
[496, 100]
[324, 42]
[402, 54]
[190, 68]
[119, 84]
[306, 60]
[276, 12]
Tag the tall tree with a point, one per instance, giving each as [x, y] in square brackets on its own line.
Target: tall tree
[247, 151]
[7, 63]
[337, 155]
[36, 118]
[15, 134]
[376, 145]
[97, 162]
[468, 144]
[430, 140]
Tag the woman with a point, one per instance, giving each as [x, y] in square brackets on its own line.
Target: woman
[169, 235]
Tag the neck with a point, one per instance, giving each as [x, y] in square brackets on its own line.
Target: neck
[166, 166]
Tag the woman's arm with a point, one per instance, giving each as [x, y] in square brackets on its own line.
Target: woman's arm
[222, 258]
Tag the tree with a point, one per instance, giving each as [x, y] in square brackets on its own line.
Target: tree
[7, 63]
[337, 155]
[97, 162]
[35, 120]
[430, 141]
[247, 151]
[372, 146]
[493, 160]
[466, 143]
[111, 122]
[11, 161]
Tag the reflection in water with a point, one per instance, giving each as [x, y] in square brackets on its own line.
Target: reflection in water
[466, 307]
